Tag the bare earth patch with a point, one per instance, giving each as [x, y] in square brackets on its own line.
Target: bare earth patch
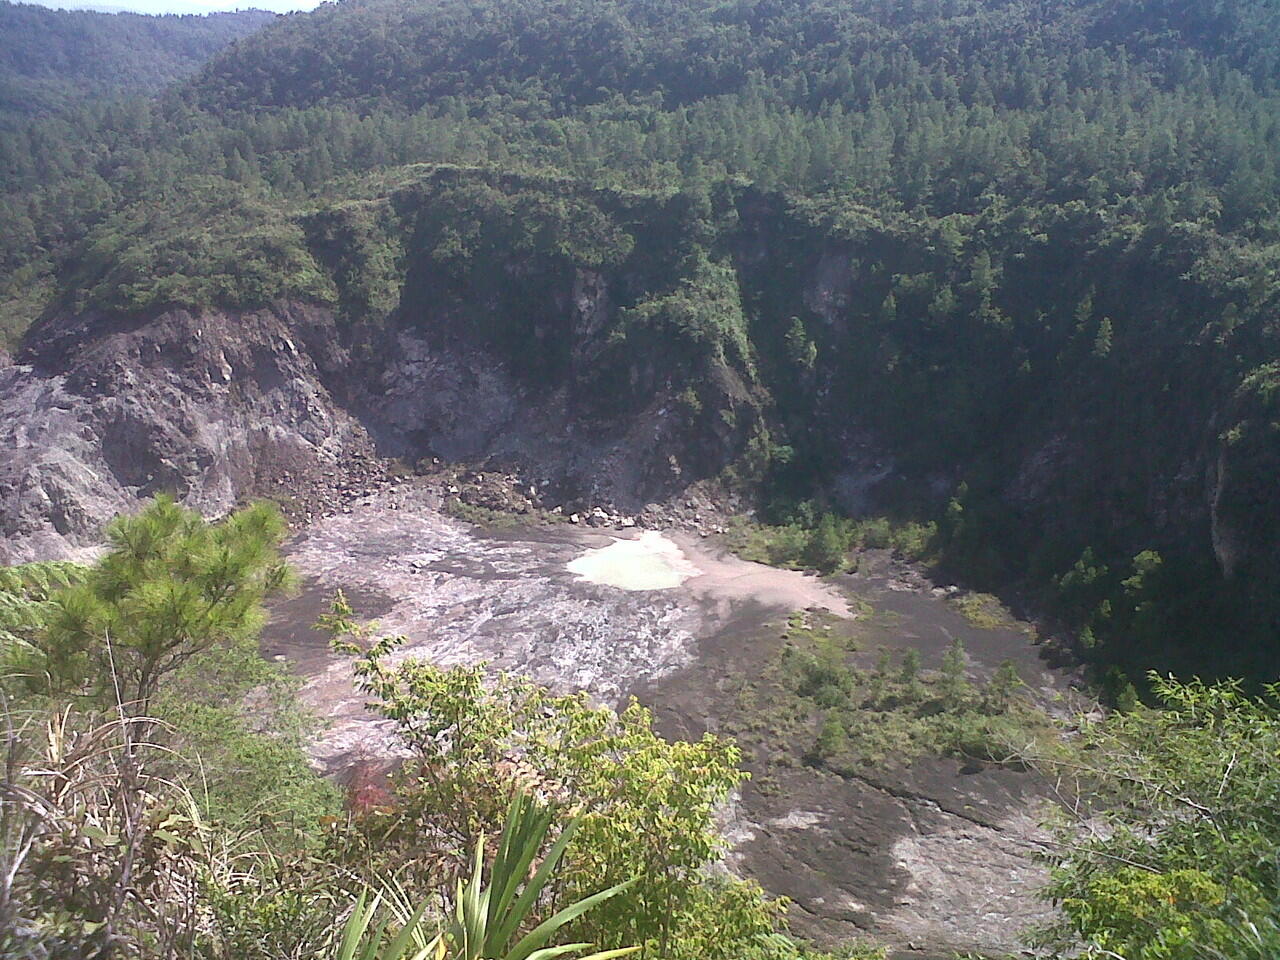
[521, 599]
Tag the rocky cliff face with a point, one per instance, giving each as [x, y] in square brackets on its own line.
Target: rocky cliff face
[99, 412]
[214, 406]
[1244, 508]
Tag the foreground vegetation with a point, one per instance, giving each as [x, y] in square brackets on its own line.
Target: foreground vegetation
[155, 800]
[1168, 844]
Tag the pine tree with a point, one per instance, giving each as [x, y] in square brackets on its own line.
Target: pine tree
[1102, 342]
[954, 685]
[832, 739]
[910, 666]
[171, 587]
[800, 347]
[1003, 686]
[25, 605]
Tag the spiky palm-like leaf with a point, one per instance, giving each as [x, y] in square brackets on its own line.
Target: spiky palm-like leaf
[365, 930]
[487, 918]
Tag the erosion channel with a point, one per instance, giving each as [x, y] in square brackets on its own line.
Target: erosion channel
[931, 855]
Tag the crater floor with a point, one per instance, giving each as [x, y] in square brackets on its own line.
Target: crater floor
[930, 857]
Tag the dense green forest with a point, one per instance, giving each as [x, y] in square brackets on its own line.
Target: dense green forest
[1045, 238]
[1026, 252]
[54, 60]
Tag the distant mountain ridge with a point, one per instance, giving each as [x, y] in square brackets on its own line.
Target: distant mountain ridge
[579, 52]
[51, 60]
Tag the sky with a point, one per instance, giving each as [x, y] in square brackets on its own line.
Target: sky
[179, 6]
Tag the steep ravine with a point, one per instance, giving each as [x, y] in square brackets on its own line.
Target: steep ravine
[216, 406]
[624, 347]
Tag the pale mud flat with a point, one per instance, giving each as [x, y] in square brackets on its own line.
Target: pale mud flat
[650, 561]
[570, 607]
[931, 858]
[653, 560]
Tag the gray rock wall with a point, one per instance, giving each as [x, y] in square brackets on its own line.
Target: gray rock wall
[202, 405]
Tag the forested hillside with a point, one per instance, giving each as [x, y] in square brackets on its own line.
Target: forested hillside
[51, 60]
[1019, 260]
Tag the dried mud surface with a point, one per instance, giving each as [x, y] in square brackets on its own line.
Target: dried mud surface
[931, 858]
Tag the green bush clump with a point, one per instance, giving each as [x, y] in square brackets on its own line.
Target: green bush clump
[983, 610]
[801, 536]
[213, 244]
[1172, 858]
[894, 712]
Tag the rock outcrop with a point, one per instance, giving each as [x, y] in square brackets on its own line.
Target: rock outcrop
[203, 405]
[216, 406]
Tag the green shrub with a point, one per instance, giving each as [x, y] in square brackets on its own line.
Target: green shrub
[1175, 858]
[649, 804]
[171, 588]
[893, 713]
